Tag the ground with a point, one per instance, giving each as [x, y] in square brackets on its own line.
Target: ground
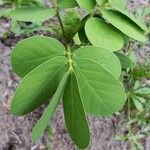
[15, 131]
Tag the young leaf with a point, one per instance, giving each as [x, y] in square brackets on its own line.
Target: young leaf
[5, 12]
[38, 86]
[87, 5]
[15, 27]
[137, 84]
[71, 21]
[132, 57]
[101, 56]
[2, 12]
[103, 35]
[141, 99]
[143, 90]
[138, 104]
[76, 39]
[32, 14]
[67, 4]
[33, 51]
[125, 61]
[125, 25]
[101, 92]
[48, 113]
[74, 114]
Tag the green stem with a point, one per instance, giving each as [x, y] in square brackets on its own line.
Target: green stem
[129, 108]
[55, 5]
[68, 49]
[69, 56]
[60, 21]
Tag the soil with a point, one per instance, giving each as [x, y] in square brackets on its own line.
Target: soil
[15, 131]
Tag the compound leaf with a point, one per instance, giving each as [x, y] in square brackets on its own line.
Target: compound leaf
[48, 113]
[32, 14]
[33, 51]
[38, 86]
[103, 35]
[125, 25]
[74, 114]
[102, 94]
[67, 4]
[102, 56]
[87, 5]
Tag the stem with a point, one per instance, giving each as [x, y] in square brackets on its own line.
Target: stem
[54, 3]
[129, 109]
[70, 61]
[61, 24]
[68, 50]
[60, 21]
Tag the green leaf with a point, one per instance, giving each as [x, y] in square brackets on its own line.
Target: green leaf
[67, 4]
[76, 39]
[103, 35]
[119, 3]
[38, 86]
[132, 18]
[101, 2]
[74, 114]
[32, 14]
[141, 99]
[139, 136]
[33, 51]
[144, 90]
[125, 25]
[132, 57]
[125, 61]
[48, 113]
[138, 104]
[71, 22]
[137, 84]
[101, 56]
[101, 92]
[81, 33]
[121, 138]
[82, 36]
[15, 27]
[4, 12]
[87, 5]
[32, 3]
